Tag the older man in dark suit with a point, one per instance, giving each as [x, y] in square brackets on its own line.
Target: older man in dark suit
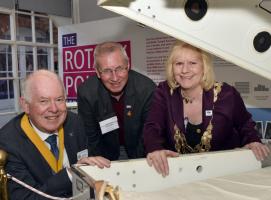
[45, 140]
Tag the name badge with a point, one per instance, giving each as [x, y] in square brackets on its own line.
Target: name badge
[208, 113]
[109, 124]
[82, 154]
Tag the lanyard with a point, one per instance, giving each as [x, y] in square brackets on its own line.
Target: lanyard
[56, 165]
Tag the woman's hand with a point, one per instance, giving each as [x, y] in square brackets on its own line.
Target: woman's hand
[101, 162]
[260, 150]
[158, 159]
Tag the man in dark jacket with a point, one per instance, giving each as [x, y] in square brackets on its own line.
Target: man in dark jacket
[114, 104]
[44, 141]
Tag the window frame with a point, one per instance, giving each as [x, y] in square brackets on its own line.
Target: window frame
[14, 43]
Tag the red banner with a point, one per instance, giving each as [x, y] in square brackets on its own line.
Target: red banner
[78, 66]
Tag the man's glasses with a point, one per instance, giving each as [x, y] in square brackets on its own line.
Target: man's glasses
[109, 72]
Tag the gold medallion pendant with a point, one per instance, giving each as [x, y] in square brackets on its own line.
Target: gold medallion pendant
[181, 145]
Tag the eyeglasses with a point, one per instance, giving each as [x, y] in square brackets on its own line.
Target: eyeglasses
[109, 72]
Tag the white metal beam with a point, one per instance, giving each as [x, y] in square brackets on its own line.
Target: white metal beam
[227, 30]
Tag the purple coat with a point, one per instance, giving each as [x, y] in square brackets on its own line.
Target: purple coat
[232, 123]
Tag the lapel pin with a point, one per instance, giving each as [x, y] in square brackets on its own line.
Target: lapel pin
[208, 113]
[129, 113]
[71, 134]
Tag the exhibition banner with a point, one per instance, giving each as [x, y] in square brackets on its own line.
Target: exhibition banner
[78, 65]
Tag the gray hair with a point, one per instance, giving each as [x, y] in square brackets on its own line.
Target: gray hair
[26, 91]
[107, 48]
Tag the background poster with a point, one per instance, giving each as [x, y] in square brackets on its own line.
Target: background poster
[78, 65]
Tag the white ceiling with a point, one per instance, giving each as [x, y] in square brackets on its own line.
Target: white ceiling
[89, 11]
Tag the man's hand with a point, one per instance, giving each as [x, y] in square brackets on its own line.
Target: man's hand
[158, 159]
[101, 162]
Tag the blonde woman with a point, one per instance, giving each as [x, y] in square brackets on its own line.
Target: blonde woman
[191, 112]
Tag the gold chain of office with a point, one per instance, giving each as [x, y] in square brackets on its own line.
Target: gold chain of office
[205, 143]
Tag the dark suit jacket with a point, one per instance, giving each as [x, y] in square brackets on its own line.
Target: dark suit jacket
[232, 123]
[94, 105]
[26, 163]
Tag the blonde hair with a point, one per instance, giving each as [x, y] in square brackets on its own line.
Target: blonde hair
[208, 78]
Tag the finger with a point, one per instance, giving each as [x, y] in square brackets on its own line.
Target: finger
[165, 167]
[254, 147]
[152, 160]
[90, 161]
[93, 161]
[149, 159]
[156, 164]
[255, 151]
[265, 151]
[162, 163]
[171, 153]
[262, 150]
[101, 162]
[85, 161]
[258, 151]
[104, 161]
